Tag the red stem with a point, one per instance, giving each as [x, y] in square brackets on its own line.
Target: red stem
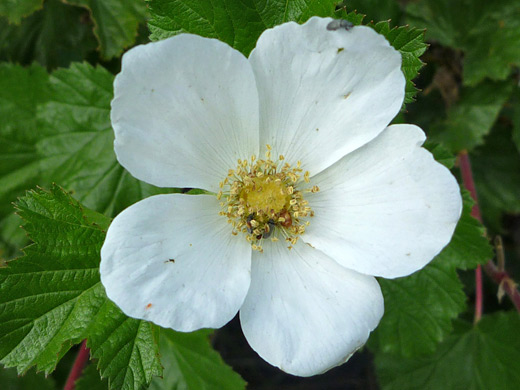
[504, 281]
[77, 367]
[469, 183]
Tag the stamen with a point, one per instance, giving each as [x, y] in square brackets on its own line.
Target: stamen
[264, 200]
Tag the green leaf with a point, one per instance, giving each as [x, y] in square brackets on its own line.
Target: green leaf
[21, 90]
[487, 32]
[55, 36]
[126, 348]
[9, 380]
[115, 21]
[496, 170]
[90, 380]
[191, 364]
[410, 43]
[70, 142]
[515, 115]
[16, 9]
[238, 23]
[52, 298]
[472, 117]
[376, 10]
[469, 246]
[419, 309]
[480, 357]
[441, 154]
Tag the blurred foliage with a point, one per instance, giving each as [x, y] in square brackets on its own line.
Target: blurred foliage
[474, 357]
[14, 10]
[54, 36]
[10, 380]
[487, 32]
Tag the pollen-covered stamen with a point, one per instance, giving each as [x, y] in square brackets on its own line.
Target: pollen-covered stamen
[264, 199]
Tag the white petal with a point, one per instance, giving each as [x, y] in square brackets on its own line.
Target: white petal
[305, 313]
[172, 260]
[185, 109]
[324, 93]
[386, 209]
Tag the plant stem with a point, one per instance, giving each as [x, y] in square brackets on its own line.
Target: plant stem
[77, 367]
[467, 179]
[500, 276]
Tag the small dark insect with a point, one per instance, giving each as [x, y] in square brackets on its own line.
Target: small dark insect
[170, 261]
[339, 23]
[269, 228]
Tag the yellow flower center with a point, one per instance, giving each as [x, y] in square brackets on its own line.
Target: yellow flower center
[264, 200]
[266, 193]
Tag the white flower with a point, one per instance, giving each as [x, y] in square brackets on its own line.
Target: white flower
[366, 201]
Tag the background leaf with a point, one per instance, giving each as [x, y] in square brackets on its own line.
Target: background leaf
[115, 21]
[9, 380]
[472, 117]
[191, 364]
[90, 379]
[496, 167]
[238, 23]
[479, 357]
[16, 9]
[487, 32]
[54, 36]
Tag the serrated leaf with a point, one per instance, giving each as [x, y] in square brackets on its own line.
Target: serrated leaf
[410, 43]
[376, 10]
[480, 357]
[440, 153]
[238, 23]
[126, 348]
[52, 298]
[115, 21]
[191, 364]
[9, 380]
[487, 32]
[14, 10]
[54, 36]
[70, 142]
[496, 170]
[473, 116]
[419, 309]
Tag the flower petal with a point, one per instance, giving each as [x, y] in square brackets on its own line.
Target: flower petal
[185, 109]
[324, 93]
[305, 313]
[387, 208]
[172, 260]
